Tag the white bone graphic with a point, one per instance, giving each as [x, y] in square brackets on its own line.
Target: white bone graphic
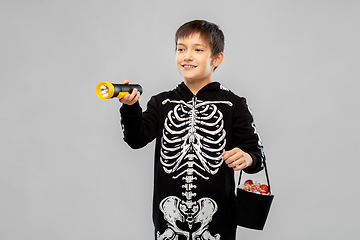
[193, 130]
[170, 207]
[201, 211]
[192, 143]
[207, 209]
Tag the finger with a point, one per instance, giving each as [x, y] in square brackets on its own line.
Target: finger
[129, 97]
[237, 162]
[230, 153]
[232, 157]
[133, 94]
[125, 81]
[227, 154]
[132, 98]
[138, 96]
[135, 99]
[248, 159]
[224, 155]
[240, 167]
[122, 100]
[125, 99]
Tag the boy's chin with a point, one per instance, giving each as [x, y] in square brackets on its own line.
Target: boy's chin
[190, 77]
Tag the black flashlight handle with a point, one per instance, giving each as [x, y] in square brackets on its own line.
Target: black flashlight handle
[126, 88]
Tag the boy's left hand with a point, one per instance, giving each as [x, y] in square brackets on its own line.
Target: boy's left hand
[237, 159]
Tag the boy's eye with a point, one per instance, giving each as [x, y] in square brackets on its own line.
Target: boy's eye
[180, 49]
[198, 50]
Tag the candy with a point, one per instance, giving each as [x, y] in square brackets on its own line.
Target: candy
[255, 187]
[264, 188]
[247, 187]
[249, 181]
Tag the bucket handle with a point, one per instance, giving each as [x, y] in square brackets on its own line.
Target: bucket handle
[266, 174]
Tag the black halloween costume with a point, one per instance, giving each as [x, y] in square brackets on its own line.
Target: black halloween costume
[193, 189]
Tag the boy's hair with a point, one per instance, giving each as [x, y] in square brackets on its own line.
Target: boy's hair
[210, 32]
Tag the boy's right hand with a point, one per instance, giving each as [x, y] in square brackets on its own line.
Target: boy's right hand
[130, 99]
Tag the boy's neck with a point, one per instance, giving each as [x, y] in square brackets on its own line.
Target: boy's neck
[195, 86]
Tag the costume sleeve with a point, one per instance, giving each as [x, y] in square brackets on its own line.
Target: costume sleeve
[139, 128]
[245, 136]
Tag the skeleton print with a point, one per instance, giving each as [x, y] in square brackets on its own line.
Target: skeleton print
[193, 140]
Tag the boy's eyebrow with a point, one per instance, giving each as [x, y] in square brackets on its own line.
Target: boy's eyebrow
[196, 44]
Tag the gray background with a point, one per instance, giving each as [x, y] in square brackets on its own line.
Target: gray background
[65, 172]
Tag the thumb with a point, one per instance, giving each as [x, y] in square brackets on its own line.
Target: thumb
[248, 159]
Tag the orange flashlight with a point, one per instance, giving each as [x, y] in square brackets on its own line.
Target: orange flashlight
[106, 90]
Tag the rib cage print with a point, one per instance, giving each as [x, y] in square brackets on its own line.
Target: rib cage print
[193, 140]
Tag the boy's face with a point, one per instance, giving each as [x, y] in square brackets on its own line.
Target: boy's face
[194, 59]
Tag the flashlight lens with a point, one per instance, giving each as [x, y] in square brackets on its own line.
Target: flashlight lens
[104, 90]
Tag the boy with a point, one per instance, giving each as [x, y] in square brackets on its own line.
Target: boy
[203, 133]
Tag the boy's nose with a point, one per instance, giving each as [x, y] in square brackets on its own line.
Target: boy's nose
[188, 57]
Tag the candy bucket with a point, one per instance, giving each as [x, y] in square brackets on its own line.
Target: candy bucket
[252, 209]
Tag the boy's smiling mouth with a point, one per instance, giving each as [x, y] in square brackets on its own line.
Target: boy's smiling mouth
[186, 66]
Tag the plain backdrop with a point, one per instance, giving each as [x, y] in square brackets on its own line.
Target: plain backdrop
[65, 171]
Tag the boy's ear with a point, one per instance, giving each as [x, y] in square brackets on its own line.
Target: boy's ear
[217, 60]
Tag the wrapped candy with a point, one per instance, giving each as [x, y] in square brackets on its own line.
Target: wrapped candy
[255, 187]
